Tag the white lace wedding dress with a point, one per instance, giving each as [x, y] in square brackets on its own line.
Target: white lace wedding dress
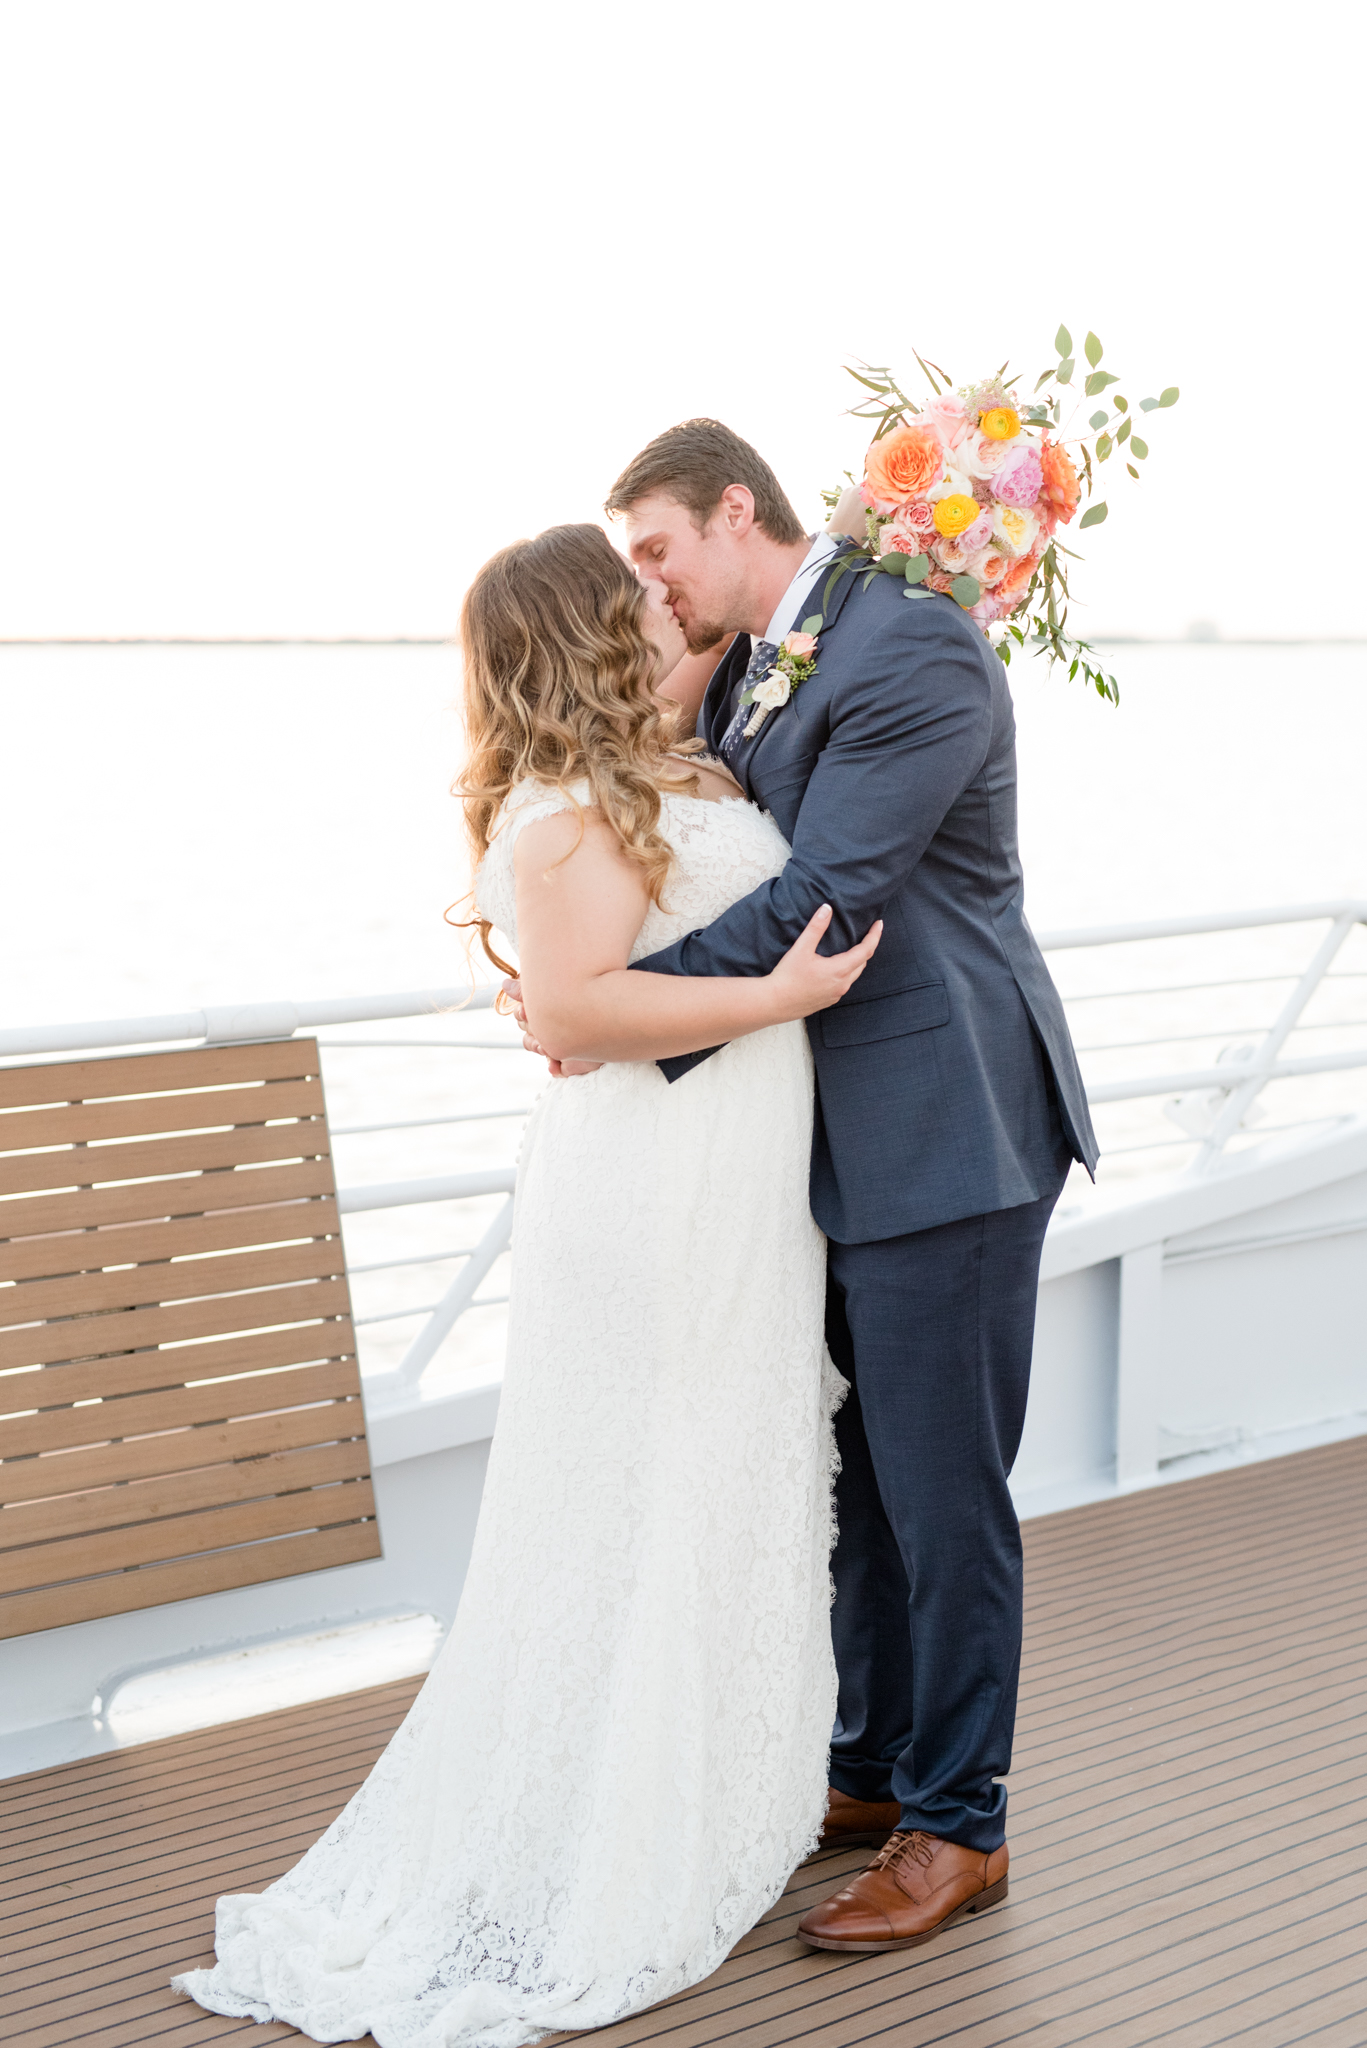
[620, 1755]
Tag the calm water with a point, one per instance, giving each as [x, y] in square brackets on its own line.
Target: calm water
[201, 825]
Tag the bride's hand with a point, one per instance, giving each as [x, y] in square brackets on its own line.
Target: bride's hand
[561, 1070]
[806, 980]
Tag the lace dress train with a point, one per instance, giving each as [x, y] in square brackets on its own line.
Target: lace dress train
[620, 1754]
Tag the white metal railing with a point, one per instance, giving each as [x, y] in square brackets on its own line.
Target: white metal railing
[1210, 1103]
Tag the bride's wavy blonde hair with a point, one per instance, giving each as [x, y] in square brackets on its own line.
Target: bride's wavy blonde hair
[559, 682]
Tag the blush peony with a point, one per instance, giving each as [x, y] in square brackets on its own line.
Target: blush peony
[1020, 477]
[902, 466]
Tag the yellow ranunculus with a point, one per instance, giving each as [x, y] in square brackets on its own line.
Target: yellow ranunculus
[1003, 423]
[955, 515]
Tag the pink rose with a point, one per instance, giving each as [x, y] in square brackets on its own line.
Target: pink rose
[949, 418]
[803, 645]
[908, 532]
[978, 534]
[982, 458]
[1021, 479]
[988, 610]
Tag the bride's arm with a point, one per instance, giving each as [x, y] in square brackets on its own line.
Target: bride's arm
[580, 904]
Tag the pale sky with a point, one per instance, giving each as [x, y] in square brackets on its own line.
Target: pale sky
[311, 304]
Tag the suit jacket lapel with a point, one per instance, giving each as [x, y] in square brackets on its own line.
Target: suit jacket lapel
[717, 705]
[813, 605]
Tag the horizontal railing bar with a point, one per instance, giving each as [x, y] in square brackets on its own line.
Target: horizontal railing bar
[400, 1194]
[235, 1022]
[1258, 1132]
[1219, 1031]
[398, 1315]
[424, 1123]
[1228, 1077]
[422, 1044]
[1192, 927]
[421, 1259]
[1178, 988]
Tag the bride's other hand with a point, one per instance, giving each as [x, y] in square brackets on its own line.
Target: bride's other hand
[561, 1070]
[806, 981]
[850, 514]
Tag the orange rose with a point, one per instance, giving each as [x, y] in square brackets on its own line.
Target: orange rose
[1062, 490]
[903, 465]
[1016, 581]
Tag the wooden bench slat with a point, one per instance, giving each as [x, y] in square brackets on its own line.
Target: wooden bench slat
[205, 1066]
[47, 1564]
[186, 1237]
[74, 1472]
[176, 1408]
[238, 1479]
[84, 1294]
[155, 1200]
[132, 1329]
[125, 1592]
[146, 1372]
[85, 1123]
[148, 1158]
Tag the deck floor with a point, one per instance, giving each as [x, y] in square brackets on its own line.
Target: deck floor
[1188, 1819]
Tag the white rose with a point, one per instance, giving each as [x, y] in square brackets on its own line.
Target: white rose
[773, 690]
[953, 484]
[978, 457]
[1015, 529]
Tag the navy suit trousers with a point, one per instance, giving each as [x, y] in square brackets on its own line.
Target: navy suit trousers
[934, 1332]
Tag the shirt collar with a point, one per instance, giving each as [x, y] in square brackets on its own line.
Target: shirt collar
[818, 554]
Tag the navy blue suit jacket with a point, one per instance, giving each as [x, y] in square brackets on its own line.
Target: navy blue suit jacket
[945, 1073]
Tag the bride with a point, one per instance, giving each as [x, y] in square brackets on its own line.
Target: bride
[621, 1754]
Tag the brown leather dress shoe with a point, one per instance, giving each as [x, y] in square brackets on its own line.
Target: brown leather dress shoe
[858, 1823]
[913, 1889]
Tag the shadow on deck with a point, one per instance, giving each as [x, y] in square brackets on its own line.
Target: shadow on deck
[1189, 1819]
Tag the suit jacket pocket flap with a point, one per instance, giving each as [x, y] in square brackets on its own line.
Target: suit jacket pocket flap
[911, 1009]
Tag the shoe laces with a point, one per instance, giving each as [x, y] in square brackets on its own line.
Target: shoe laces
[906, 1846]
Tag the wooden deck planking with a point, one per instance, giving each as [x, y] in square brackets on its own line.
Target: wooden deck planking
[1188, 1820]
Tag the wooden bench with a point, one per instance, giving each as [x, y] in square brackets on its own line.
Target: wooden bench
[180, 1400]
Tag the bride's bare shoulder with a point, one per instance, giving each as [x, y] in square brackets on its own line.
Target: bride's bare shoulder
[715, 780]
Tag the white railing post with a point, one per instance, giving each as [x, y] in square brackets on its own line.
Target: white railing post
[452, 1305]
[1259, 1070]
[1138, 1367]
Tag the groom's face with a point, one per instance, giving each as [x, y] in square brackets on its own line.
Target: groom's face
[703, 571]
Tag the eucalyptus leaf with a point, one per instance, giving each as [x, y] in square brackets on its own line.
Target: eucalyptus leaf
[1043, 379]
[1133, 471]
[1124, 433]
[1093, 349]
[1103, 447]
[1139, 449]
[1098, 419]
[1148, 405]
[1170, 396]
[813, 624]
[918, 568]
[966, 590]
[1094, 515]
[1065, 371]
[1063, 342]
[1121, 404]
[1098, 381]
[893, 563]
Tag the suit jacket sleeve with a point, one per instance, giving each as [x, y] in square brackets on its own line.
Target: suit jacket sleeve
[909, 730]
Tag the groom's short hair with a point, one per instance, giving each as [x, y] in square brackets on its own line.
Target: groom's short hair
[693, 464]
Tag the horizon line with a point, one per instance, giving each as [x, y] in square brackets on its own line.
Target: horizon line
[448, 640]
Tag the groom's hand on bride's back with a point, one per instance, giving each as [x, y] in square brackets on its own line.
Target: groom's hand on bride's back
[561, 1070]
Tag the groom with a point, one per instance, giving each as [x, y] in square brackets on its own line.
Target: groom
[948, 1109]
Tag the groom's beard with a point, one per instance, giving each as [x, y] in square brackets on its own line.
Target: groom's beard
[701, 634]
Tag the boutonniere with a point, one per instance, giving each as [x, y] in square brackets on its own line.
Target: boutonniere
[795, 661]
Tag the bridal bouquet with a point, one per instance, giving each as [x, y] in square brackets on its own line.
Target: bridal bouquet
[966, 494]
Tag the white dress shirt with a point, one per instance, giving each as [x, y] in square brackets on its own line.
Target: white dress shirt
[801, 588]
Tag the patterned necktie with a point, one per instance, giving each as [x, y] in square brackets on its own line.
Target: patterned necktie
[761, 661]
